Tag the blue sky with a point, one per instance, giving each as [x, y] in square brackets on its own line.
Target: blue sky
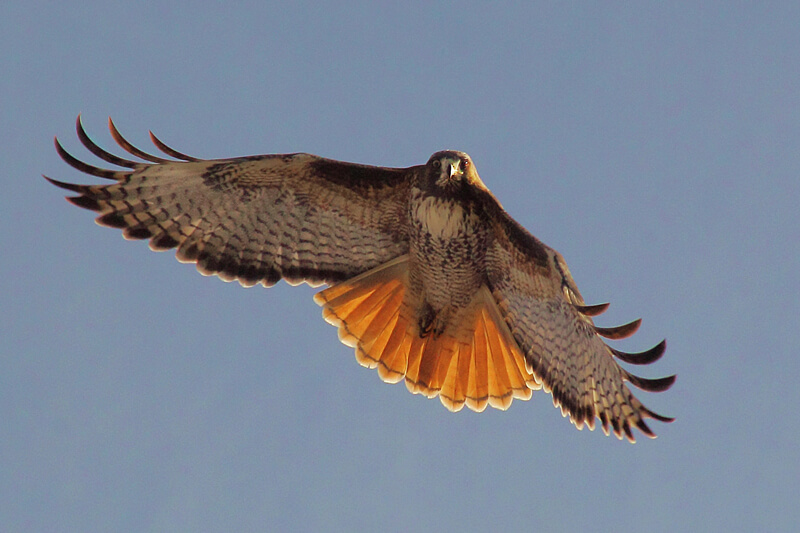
[655, 145]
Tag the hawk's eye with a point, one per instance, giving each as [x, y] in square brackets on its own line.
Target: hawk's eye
[464, 164]
[436, 163]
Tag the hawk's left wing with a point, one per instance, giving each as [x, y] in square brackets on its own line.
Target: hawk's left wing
[554, 329]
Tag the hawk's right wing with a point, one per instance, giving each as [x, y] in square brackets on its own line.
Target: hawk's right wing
[253, 219]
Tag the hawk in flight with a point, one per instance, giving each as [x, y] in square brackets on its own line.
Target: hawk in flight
[430, 280]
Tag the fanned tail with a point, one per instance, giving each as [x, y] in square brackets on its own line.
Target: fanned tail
[475, 362]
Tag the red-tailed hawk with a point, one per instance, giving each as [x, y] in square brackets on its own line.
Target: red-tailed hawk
[431, 281]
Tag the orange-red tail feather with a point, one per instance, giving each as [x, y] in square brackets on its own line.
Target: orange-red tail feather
[475, 362]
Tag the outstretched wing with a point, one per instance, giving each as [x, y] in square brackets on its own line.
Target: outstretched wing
[254, 219]
[563, 348]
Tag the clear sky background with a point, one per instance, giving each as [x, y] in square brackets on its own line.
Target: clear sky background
[655, 145]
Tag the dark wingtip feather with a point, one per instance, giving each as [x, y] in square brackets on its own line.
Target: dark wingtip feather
[162, 242]
[603, 421]
[660, 418]
[620, 332]
[68, 186]
[592, 310]
[642, 358]
[86, 202]
[112, 220]
[652, 385]
[99, 152]
[628, 432]
[616, 426]
[86, 168]
[137, 233]
[644, 428]
[170, 151]
[131, 149]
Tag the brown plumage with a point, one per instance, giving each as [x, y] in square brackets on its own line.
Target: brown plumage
[431, 281]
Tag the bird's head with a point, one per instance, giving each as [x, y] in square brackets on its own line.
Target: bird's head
[451, 170]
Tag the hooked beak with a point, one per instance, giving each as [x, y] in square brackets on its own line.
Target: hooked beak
[450, 168]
